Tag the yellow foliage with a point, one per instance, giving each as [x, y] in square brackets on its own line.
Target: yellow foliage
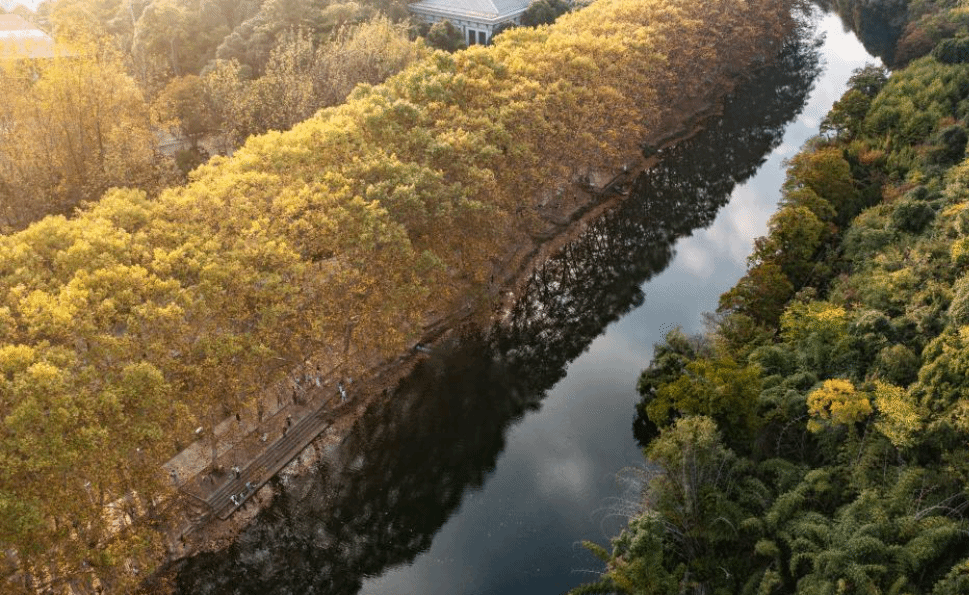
[15, 358]
[801, 320]
[953, 210]
[959, 250]
[837, 403]
[898, 417]
[73, 127]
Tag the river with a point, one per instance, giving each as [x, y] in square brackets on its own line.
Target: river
[502, 452]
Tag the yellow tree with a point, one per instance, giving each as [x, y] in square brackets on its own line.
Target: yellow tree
[837, 403]
[72, 127]
[898, 415]
[365, 53]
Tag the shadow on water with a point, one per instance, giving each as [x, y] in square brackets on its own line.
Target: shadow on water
[380, 496]
[878, 25]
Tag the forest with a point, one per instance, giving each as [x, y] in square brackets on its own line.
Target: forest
[211, 73]
[129, 316]
[815, 439]
[90, 119]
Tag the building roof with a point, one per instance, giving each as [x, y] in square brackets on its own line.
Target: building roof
[30, 5]
[490, 10]
[20, 39]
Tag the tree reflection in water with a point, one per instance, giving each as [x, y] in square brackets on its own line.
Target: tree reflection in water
[878, 25]
[380, 497]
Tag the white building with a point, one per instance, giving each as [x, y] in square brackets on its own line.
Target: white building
[477, 19]
[29, 5]
[20, 39]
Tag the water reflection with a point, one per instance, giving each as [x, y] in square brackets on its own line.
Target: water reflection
[380, 497]
[878, 25]
[599, 277]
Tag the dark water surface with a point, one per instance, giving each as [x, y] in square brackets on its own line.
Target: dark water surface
[502, 452]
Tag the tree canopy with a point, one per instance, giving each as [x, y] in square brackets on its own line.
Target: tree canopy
[142, 317]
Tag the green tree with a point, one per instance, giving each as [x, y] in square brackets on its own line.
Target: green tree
[794, 236]
[818, 332]
[691, 495]
[185, 103]
[163, 38]
[761, 294]
[636, 563]
[544, 12]
[869, 80]
[828, 174]
[847, 115]
[443, 35]
[716, 388]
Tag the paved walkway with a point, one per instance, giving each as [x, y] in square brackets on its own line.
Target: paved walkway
[269, 462]
[255, 445]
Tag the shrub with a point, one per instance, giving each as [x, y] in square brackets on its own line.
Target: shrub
[897, 364]
[911, 216]
[948, 145]
[959, 308]
[952, 51]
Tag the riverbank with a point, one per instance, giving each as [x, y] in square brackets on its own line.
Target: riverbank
[565, 218]
[497, 453]
[837, 363]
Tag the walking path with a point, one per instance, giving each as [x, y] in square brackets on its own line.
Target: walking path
[261, 469]
[255, 445]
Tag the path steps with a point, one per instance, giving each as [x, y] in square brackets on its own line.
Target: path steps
[267, 463]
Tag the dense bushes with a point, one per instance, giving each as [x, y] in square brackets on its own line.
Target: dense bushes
[952, 51]
[855, 314]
